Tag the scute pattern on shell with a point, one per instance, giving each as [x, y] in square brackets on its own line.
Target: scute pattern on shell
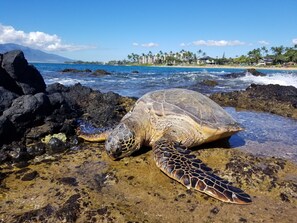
[200, 108]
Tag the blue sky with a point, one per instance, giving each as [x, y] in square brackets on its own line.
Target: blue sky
[99, 30]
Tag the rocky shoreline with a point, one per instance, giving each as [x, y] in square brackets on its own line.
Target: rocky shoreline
[30, 111]
[69, 180]
[275, 99]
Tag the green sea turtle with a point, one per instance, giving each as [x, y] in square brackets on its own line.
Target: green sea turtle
[171, 121]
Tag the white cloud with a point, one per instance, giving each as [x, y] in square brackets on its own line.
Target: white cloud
[218, 43]
[294, 41]
[37, 40]
[185, 44]
[148, 45]
[263, 42]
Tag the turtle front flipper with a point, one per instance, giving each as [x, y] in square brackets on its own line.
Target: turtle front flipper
[90, 133]
[177, 162]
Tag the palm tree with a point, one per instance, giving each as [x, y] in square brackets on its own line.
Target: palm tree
[255, 55]
[264, 50]
[278, 54]
[278, 50]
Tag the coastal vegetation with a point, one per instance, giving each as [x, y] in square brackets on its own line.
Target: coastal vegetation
[277, 56]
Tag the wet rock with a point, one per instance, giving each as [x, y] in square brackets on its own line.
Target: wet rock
[55, 145]
[102, 211]
[276, 99]
[284, 197]
[235, 75]
[215, 210]
[104, 179]
[100, 72]
[70, 210]
[30, 176]
[37, 149]
[135, 72]
[37, 132]
[210, 83]
[69, 181]
[39, 215]
[242, 220]
[73, 70]
[18, 153]
[70, 70]
[254, 72]
[251, 71]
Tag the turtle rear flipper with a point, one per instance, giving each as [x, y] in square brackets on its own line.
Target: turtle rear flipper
[90, 133]
[177, 162]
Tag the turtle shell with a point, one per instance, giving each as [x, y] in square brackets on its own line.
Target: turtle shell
[176, 102]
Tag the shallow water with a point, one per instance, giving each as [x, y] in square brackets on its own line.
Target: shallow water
[265, 134]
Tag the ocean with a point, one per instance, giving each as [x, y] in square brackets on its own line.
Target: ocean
[265, 134]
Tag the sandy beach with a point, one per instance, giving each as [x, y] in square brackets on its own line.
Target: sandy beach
[230, 67]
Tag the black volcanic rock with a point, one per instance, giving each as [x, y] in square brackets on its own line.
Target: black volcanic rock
[100, 72]
[254, 72]
[14, 63]
[277, 99]
[251, 71]
[6, 99]
[210, 83]
[18, 76]
[27, 109]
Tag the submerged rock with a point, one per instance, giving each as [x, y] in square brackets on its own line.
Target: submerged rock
[255, 72]
[210, 83]
[73, 70]
[100, 72]
[251, 71]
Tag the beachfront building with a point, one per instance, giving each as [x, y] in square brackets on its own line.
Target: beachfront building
[205, 60]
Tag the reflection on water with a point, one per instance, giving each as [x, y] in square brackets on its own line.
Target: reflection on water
[266, 134]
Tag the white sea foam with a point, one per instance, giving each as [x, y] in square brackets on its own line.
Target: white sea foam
[68, 81]
[284, 79]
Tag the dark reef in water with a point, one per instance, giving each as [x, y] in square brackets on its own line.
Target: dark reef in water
[276, 99]
[251, 71]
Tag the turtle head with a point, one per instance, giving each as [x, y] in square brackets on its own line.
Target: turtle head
[121, 142]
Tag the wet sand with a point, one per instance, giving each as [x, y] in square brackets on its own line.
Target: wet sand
[86, 186]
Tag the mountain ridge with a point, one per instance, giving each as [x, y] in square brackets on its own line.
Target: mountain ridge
[34, 55]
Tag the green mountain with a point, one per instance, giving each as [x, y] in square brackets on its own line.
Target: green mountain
[33, 55]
